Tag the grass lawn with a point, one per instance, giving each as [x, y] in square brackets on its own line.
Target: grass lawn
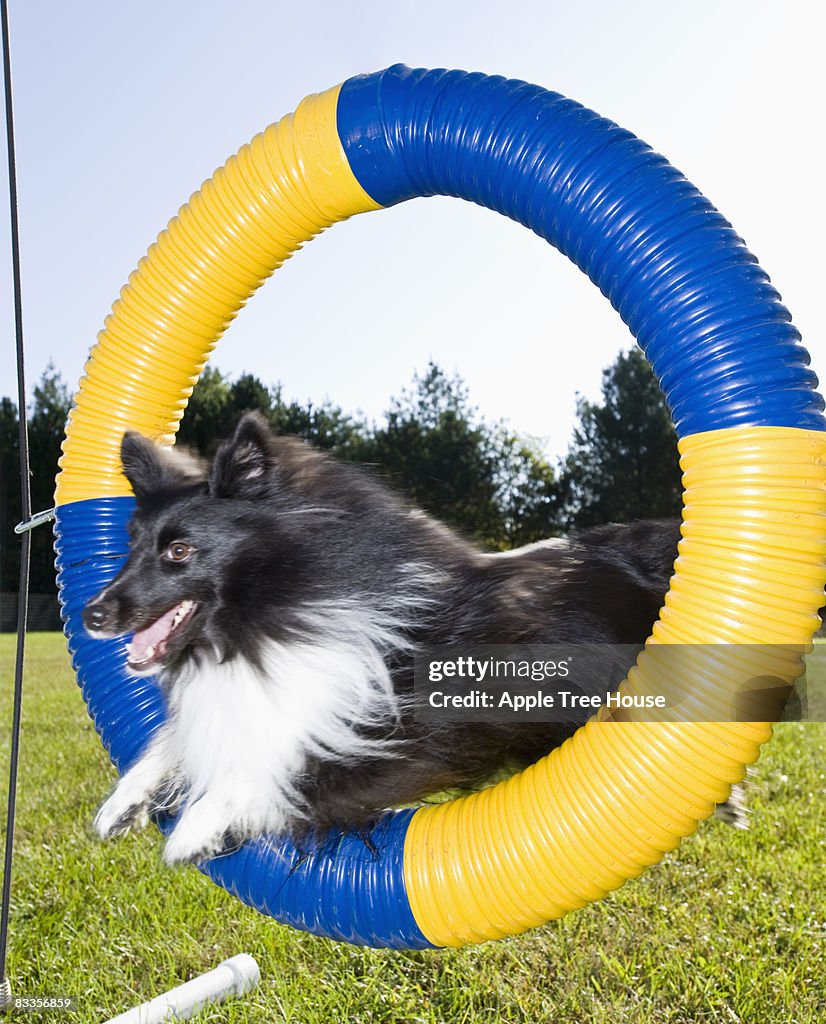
[732, 927]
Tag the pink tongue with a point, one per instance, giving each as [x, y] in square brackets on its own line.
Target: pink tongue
[152, 635]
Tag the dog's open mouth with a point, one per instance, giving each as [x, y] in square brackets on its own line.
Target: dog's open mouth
[149, 646]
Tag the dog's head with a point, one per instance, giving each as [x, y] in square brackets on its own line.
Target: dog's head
[195, 553]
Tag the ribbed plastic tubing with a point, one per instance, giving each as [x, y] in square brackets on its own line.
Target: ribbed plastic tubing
[750, 572]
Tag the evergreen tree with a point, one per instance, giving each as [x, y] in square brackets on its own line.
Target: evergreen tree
[208, 416]
[47, 426]
[476, 476]
[47, 423]
[9, 496]
[435, 450]
[622, 463]
[528, 492]
[216, 405]
[326, 426]
[248, 393]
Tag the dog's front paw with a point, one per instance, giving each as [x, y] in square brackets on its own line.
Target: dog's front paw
[119, 814]
[734, 811]
[199, 835]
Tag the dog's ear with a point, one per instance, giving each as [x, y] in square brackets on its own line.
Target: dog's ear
[152, 468]
[242, 464]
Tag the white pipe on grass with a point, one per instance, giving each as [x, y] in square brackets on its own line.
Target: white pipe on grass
[233, 977]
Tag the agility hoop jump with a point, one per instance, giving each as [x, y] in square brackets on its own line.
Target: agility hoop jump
[613, 799]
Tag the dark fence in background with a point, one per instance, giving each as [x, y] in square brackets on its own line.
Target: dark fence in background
[44, 612]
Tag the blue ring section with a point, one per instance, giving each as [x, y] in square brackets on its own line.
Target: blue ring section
[351, 887]
[91, 547]
[708, 319]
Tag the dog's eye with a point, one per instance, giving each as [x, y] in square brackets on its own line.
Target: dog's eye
[178, 551]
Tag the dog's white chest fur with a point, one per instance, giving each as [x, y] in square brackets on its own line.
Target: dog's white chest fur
[239, 735]
[237, 732]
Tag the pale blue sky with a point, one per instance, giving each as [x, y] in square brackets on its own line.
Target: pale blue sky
[123, 109]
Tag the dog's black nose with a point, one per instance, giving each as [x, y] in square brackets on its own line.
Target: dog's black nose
[95, 617]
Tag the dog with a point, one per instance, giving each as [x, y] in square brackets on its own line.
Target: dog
[280, 597]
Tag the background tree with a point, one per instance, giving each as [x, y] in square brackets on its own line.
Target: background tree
[47, 422]
[622, 463]
[216, 404]
[326, 426]
[9, 495]
[208, 413]
[528, 491]
[435, 447]
[47, 425]
[437, 451]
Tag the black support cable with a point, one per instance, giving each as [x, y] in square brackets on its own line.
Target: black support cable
[25, 546]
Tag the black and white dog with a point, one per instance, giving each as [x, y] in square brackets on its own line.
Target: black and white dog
[281, 596]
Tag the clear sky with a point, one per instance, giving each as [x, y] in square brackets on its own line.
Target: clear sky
[122, 109]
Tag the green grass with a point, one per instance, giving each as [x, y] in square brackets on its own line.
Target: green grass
[732, 927]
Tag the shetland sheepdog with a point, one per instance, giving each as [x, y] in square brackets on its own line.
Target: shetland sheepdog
[280, 596]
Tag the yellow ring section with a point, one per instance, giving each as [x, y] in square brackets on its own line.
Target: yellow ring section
[615, 797]
[291, 182]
